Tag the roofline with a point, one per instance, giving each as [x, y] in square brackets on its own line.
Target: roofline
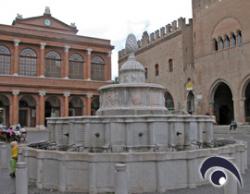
[45, 15]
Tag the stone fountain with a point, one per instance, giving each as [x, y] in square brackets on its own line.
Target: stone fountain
[162, 151]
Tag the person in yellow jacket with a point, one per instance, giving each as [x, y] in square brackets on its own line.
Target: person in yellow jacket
[14, 158]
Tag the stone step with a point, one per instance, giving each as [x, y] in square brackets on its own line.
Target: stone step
[225, 129]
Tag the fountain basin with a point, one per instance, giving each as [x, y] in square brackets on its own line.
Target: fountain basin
[132, 99]
[147, 171]
[132, 130]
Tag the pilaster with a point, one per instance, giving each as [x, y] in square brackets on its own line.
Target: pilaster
[41, 118]
[15, 107]
[87, 104]
[66, 62]
[16, 57]
[108, 67]
[87, 66]
[66, 95]
[42, 59]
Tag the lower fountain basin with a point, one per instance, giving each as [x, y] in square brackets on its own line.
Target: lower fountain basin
[147, 171]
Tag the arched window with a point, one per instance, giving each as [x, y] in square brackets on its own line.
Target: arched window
[190, 102]
[227, 42]
[239, 38]
[76, 66]
[27, 111]
[95, 104]
[221, 43]
[233, 40]
[52, 107]
[170, 65]
[97, 68]
[53, 64]
[215, 45]
[4, 110]
[27, 62]
[146, 72]
[75, 106]
[169, 102]
[156, 69]
[5, 61]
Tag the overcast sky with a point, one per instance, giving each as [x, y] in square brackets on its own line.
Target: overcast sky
[109, 19]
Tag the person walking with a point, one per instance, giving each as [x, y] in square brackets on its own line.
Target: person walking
[14, 158]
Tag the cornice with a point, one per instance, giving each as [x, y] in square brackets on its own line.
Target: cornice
[53, 36]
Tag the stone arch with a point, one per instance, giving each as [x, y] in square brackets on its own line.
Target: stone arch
[239, 38]
[76, 106]
[225, 25]
[245, 96]
[95, 104]
[221, 97]
[215, 44]
[243, 86]
[169, 101]
[190, 102]
[27, 111]
[226, 41]
[214, 87]
[221, 44]
[4, 110]
[52, 107]
[233, 39]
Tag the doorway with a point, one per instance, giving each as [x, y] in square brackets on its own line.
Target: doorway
[223, 105]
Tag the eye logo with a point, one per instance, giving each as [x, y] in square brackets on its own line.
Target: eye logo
[218, 177]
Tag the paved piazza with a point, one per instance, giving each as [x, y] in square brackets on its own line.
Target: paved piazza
[7, 185]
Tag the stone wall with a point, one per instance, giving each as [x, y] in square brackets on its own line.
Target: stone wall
[124, 131]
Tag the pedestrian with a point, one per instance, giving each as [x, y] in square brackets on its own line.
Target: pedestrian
[14, 158]
[233, 125]
[10, 134]
[18, 127]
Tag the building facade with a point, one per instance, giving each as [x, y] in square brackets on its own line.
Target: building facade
[46, 69]
[204, 64]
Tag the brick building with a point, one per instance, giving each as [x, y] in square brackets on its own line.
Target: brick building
[204, 64]
[46, 69]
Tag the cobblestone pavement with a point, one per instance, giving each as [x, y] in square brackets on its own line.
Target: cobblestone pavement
[7, 185]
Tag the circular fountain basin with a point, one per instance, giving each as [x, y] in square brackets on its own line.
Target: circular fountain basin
[146, 171]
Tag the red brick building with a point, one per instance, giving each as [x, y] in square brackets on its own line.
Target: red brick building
[46, 69]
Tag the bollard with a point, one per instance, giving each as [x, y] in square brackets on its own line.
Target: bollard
[21, 178]
[3, 156]
[121, 180]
